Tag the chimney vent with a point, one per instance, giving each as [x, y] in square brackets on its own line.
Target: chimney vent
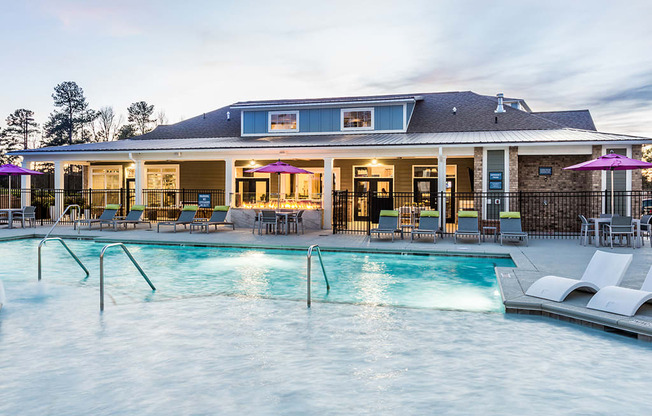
[500, 109]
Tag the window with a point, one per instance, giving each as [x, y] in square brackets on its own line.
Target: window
[283, 121]
[424, 171]
[358, 119]
[106, 182]
[162, 177]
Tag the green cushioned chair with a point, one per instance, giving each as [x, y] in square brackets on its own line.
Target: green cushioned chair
[186, 217]
[387, 224]
[510, 227]
[217, 218]
[428, 225]
[467, 225]
[133, 217]
[107, 216]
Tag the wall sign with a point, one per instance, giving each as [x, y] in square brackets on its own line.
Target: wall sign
[495, 176]
[545, 170]
[495, 185]
[204, 200]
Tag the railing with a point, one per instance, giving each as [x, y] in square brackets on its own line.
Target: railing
[133, 260]
[543, 214]
[42, 243]
[61, 216]
[308, 271]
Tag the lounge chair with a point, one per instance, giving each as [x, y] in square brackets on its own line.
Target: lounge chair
[217, 218]
[133, 217]
[510, 227]
[467, 225]
[107, 216]
[186, 217]
[428, 225]
[387, 223]
[622, 300]
[604, 269]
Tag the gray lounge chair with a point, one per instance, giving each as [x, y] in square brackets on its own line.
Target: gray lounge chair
[186, 217]
[510, 227]
[428, 225]
[467, 225]
[217, 218]
[133, 217]
[387, 224]
[107, 216]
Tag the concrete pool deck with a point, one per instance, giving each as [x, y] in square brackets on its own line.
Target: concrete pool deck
[562, 257]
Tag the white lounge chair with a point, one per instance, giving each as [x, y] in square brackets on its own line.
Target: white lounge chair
[604, 269]
[622, 300]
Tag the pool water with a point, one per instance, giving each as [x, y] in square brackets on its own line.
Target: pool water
[231, 355]
[440, 282]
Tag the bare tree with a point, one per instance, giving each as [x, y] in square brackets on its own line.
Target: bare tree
[107, 124]
[161, 118]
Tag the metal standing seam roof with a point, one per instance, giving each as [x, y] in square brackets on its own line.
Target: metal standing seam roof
[379, 139]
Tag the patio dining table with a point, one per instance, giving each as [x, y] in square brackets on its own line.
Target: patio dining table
[598, 221]
[10, 215]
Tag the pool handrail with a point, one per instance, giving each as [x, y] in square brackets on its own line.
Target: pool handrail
[308, 270]
[42, 243]
[133, 260]
[61, 216]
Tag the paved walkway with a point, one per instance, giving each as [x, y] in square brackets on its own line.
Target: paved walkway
[563, 257]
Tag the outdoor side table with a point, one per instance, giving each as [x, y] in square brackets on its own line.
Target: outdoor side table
[406, 228]
[494, 232]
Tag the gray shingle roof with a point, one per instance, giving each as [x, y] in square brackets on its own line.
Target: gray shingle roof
[577, 119]
[563, 135]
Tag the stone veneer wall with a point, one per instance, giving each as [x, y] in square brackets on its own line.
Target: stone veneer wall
[596, 175]
[637, 175]
[477, 175]
[560, 180]
[513, 169]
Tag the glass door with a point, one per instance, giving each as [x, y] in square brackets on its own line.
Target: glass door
[372, 195]
[425, 192]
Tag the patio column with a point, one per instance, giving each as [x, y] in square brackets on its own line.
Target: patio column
[229, 180]
[327, 193]
[26, 185]
[441, 187]
[139, 182]
[58, 186]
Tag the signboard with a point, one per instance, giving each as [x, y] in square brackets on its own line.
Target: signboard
[495, 185]
[204, 200]
[545, 170]
[495, 176]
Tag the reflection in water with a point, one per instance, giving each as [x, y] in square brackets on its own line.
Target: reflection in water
[373, 282]
[251, 278]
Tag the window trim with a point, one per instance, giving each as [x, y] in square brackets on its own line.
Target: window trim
[269, 121]
[345, 110]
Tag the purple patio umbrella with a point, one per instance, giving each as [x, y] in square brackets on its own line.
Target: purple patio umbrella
[278, 167]
[611, 162]
[13, 170]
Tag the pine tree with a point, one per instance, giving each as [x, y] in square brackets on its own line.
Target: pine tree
[140, 113]
[66, 125]
[21, 125]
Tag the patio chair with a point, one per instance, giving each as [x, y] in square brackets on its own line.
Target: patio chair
[428, 225]
[256, 219]
[646, 228]
[387, 224]
[133, 217]
[467, 225]
[268, 219]
[295, 220]
[510, 227]
[186, 217]
[620, 226]
[604, 269]
[106, 217]
[27, 214]
[587, 230]
[217, 218]
[622, 300]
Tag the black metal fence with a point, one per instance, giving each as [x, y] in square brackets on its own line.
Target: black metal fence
[543, 214]
[161, 204]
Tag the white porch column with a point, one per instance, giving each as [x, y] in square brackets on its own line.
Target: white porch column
[229, 181]
[441, 187]
[140, 182]
[58, 186]
[327, 193]
[26, 185]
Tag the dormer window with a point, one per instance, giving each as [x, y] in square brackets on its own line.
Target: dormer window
[283, 121]
[357, 119]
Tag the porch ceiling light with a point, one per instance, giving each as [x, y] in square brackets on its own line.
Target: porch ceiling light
[252, 163]
[374, 161]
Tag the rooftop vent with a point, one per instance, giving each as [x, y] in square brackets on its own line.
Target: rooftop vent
[500, 109]
[228, 115]
[454, 110]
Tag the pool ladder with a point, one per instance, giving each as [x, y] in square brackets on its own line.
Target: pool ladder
[42, 243]
[133, 260]
[314, 247]
[61, 216]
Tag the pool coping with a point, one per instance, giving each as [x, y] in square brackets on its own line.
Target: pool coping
[573, 310]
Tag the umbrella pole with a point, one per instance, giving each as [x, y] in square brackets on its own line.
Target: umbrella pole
[279, 191]
[9, 178]
[612, 192]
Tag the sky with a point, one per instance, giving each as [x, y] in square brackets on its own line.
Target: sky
[190, 57]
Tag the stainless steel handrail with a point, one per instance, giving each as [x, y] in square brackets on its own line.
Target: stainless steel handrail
[133, 260]
[42, 243]
[308, 270]
[61, 216]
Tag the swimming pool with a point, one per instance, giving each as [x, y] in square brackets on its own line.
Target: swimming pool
[440, 282]
[205, 354]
